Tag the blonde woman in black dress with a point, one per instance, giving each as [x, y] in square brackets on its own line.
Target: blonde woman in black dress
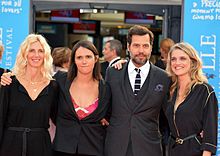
[193, 109]
[27, 104]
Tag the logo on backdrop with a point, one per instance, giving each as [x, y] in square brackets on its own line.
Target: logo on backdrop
[12, 33]
[11, 6]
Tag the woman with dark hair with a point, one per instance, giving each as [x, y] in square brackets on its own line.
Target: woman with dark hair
[83, 103]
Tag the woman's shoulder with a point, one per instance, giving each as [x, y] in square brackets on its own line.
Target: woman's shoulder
[204, 86]
[60, 75]
[54, 85]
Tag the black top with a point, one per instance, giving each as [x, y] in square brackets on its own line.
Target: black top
[198, 112]
[105, 65]
[159, 63]
[17, 109]
[86, 135]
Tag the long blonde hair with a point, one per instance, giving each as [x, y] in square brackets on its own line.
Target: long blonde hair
[196, 73]
[21, 60]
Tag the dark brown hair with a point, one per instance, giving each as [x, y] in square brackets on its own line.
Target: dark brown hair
[139, 30]
[72, 72]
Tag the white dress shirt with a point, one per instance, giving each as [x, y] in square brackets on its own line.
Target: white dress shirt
[132, 73]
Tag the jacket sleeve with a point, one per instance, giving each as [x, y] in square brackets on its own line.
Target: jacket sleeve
[210, 121]
[4, 102]
[55, 99]
[108, 94]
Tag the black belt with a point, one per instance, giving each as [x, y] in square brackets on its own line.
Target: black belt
[24, 136]
[180, 141]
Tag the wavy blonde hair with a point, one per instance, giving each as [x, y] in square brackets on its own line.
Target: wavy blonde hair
[196, 73]
[21, 60]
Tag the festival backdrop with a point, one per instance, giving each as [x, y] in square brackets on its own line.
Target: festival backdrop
[14, 27]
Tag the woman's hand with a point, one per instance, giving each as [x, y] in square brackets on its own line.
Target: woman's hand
[6, 78]
[118, 65]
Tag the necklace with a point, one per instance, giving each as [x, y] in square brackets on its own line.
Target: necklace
[34, 85]
[35, 82]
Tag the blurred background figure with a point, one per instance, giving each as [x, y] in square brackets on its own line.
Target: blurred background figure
[112, 52]
[61, 62]
[165, 46]
[2, 70]
[61, 58]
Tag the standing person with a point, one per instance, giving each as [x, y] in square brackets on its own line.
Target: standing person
[61, 58]
[193, 107]
[83, 103]
[2, 70]
[112, 52]
[137, 98]
[165, 45]
[28, 103]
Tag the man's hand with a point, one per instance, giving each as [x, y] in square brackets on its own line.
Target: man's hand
[118, 65]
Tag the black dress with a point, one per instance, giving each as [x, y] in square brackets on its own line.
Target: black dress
[19, 111]
[198, 112]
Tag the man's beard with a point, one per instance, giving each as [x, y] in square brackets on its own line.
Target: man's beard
[140, 62]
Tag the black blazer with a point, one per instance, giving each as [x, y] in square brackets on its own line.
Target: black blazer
[86, 135]
[105, 65]
[134, 119]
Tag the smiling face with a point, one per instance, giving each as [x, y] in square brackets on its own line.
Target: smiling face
[85, 60]
[140, 49]
[35, 55]
[180, 63]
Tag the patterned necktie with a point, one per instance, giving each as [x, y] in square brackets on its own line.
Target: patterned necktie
[137, 83]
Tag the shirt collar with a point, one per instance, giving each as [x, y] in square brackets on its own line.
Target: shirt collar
[144, 69]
